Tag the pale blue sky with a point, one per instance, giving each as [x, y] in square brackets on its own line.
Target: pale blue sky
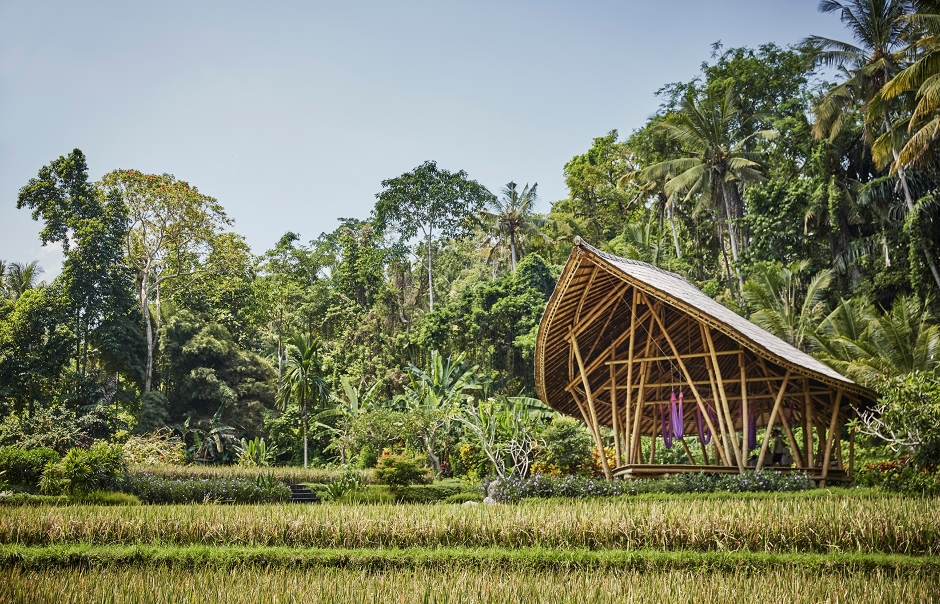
[291, 113]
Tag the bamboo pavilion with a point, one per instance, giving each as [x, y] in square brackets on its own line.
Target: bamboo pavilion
[640, 350]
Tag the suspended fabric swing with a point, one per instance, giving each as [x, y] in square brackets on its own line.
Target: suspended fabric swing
[704, 434]
[665, 426]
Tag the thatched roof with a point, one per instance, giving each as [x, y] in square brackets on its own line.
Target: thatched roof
[593, 301]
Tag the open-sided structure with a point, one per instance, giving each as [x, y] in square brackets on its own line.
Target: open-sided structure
[641, 350]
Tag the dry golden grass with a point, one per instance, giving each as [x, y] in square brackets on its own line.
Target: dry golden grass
[831, 524]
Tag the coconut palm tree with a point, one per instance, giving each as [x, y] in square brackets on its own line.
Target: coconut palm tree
[303, 381]
[21, 277]
[513, 218]
[866, 344]
[786, 304]
[710, 128]
[882, 33]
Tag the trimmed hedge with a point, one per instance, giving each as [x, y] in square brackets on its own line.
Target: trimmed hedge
[535, 487]
[24, 467]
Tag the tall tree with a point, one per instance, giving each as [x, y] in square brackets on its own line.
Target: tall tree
[172, 227]
[882, 35]
[436, 202]
[20, 276]
[91, 226]
[303, 383]
[716, 166]
[513, 217]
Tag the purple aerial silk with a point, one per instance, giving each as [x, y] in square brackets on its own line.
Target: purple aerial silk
[704, 434]
[677, 415]
[666, 429]
[751, 429]
[751, 426]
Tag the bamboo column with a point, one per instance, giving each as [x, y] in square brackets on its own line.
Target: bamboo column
[641, 393]
[791, 440]
[724, 397]
[770, 422]
[830, 437]
[590, 400]
[688, 377]
[628, 436]
[807, 424]
[745, 411]
[614, 413]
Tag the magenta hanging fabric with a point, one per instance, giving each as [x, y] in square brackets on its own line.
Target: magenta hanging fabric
[666, 429]
[751, 429]
[704, 434]
[677, 415]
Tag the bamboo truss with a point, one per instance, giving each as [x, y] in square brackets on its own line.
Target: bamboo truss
[619, 337]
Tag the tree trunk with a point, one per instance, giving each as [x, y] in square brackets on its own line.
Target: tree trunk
[512, 250]
[430, 275]
[910, 208]
[675, 233]
[304, 427]
[148, 331]
[732, 234]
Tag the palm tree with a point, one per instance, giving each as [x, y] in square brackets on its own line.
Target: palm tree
[513, 218]
[710, 128]
[881, 29]
[785, 304]
[866, 344]
[21, 277]
[665, 204]
[303, 381]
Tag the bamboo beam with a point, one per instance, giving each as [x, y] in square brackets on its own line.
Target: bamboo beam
[745, 411]
[590, 401]
[807, 424]
[628, 436]
[770, 422]
[601, 358]
[721, 415]
[786, 424]
[694, 355]
[685, 371]
[852, 454]
[830, 437]
[751, 380]
[688, 453]
[603, 329]
[706, 331]
[615, 417]
[584, 294]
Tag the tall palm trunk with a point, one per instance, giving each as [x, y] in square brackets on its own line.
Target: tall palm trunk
[902, 176]
[671, 211]
[430, 275]
[304, 423]
[732, 234]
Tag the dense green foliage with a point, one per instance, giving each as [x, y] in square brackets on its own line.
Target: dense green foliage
[807, 205]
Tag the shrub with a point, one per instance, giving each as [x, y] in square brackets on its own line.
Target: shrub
[401, 471]
[154, 489]
[428, 493]
[155, 448]
[348, 481]
[25, 467]
[567, 449]
[81, 471]
[107, 498]
[517, 489]
[900, 476]
[907, 417]
[368, 457]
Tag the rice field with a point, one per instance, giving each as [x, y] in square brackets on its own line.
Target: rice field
[158, 585]
[812, 525]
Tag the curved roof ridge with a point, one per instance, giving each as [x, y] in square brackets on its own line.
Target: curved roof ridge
[615, 258]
